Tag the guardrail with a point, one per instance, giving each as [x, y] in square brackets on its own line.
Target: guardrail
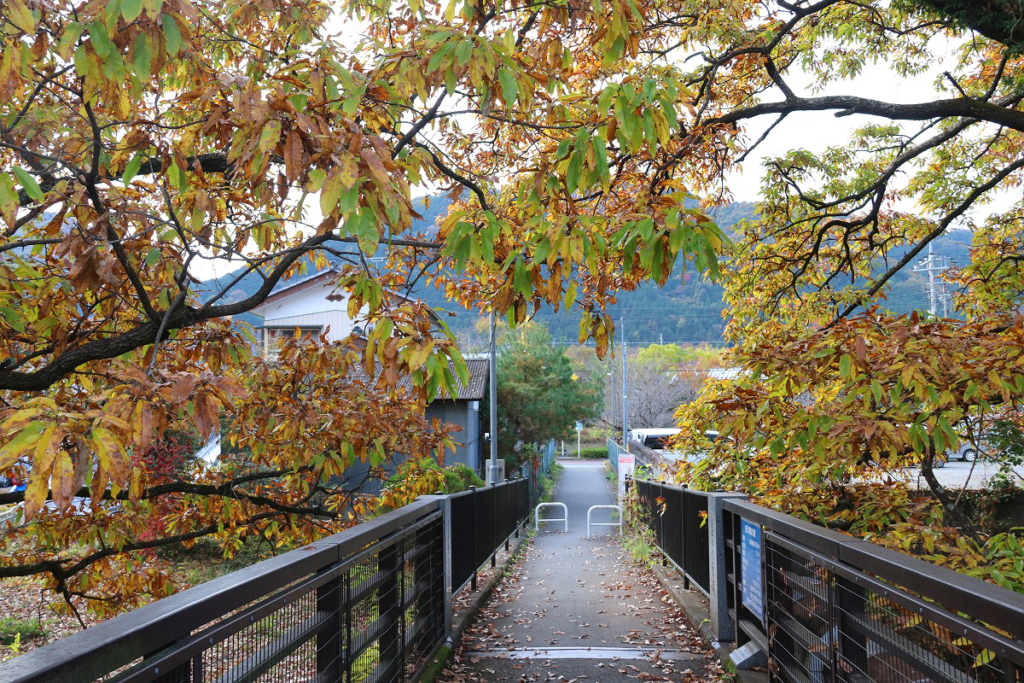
[618, 523]
[481, 521]
[680, 519]
[826, 606]
[372, 603]
[537, 519]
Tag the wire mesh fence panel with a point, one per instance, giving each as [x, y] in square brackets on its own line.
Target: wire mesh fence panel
[831, 622]
[376, 617]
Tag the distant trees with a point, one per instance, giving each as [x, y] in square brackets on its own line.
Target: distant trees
[661, 377]
[540, 394]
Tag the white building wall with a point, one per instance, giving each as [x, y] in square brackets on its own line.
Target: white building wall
[312, 308]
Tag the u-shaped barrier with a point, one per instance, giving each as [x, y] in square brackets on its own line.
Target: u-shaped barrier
[604, 507]
[538, 520]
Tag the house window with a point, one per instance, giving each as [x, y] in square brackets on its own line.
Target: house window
[273, 336]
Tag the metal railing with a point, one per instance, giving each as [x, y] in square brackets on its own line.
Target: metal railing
[481, 521]
[370, 604]
[678, 518]
[829, 607]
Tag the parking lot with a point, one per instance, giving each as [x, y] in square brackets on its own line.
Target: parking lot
[956, 474]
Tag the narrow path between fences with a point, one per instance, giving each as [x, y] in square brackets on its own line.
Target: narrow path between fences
[577, 608]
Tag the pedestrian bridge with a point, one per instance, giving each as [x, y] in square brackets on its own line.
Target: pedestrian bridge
[375, 603]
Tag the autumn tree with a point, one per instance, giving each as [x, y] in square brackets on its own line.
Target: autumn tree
[146, 143]
[841, 395]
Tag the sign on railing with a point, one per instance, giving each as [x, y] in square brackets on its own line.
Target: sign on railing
[750, 588]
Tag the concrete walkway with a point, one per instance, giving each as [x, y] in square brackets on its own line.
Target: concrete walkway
[576, 608]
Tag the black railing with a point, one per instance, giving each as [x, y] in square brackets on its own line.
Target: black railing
[828, 607]
[370, 604]
[481, 521]
[678, 519]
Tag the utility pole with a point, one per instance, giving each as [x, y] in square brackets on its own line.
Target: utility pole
[611, 401]
[625, 385]
[492, 466]
[934, 264]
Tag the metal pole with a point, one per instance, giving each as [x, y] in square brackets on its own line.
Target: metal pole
[578, 450]
[625, 384]
[612, 410]
[493, 465]
[932, 308]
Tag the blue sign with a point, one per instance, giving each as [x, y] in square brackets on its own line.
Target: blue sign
[750, 568]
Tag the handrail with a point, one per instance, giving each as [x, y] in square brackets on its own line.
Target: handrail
[1001, 608]
[119, 641]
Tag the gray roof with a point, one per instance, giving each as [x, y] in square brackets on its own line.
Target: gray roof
[474, 391]
[478, 370]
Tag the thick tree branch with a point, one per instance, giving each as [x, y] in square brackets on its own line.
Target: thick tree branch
[846, 105]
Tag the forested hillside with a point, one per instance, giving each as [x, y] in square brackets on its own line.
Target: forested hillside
[686, 310]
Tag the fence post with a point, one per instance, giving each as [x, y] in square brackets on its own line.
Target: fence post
[721, 622]
[330, 600]
[494, 520]
[388, 609]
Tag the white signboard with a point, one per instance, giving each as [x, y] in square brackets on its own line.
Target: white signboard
[627, 462]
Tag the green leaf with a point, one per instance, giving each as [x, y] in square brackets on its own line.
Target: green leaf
[572, 174]
[13, 318]
[508, 86]
[131, 9]
[523, 281]
[142, 56]
[604, 100]
[100, 42]
[131, 169]
[601, 156]
[29, 183]
[172, 34]
[152, 257]
[464, 51]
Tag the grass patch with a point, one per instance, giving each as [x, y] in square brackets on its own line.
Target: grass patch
[434, 669]
[13, 632]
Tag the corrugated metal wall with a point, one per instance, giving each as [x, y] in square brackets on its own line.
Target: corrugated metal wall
[464, 414]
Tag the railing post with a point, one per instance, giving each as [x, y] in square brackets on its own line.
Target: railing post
[721, 623]
[180, 674]
[446, 511]
[388, 608]
[329, 601]
[850, 602]
[494, 520]
[476, 518]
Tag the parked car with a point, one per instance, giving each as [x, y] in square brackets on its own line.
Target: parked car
[694, 456]
[654, 438]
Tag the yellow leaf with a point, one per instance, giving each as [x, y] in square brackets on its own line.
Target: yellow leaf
[21, 16]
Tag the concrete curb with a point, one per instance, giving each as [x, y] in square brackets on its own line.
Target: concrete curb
[460, 622]
[698, 612]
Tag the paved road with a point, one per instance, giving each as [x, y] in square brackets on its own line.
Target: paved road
[576, 608]
[956, 474]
